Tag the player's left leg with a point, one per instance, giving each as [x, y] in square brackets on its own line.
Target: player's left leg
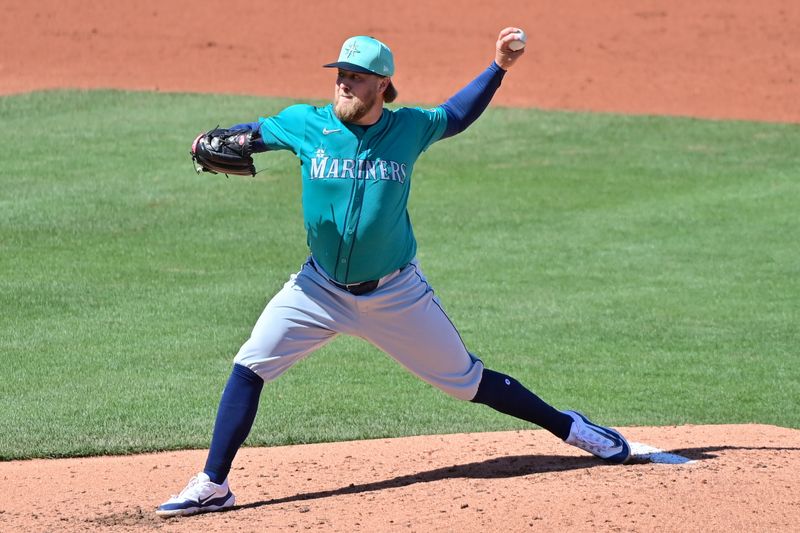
[505, 394]
[404, 319]
[407, 321]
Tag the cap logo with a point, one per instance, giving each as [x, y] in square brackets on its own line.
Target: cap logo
[352, 50]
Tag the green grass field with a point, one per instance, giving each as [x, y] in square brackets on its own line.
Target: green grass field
[643, 269]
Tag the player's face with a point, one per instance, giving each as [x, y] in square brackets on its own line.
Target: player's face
[355, 95]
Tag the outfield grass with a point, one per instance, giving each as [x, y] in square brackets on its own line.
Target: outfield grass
[643, 269]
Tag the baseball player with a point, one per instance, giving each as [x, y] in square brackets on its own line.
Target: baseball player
[361, 277]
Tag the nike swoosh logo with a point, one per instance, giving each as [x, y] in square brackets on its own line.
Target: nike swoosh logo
[326, 131]
[203, 501]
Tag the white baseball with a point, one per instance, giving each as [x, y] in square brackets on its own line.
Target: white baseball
[520, 44]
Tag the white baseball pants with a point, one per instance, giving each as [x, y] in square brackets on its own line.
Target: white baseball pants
[402, 317]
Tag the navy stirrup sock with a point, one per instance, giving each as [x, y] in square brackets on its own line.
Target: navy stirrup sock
[235, 416]
[505, 394]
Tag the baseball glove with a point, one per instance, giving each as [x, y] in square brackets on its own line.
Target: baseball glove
[224, 151]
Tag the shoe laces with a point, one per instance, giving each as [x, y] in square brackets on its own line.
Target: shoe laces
[193, 483]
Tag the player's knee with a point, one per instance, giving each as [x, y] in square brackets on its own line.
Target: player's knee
[247, 373]
[460, 386]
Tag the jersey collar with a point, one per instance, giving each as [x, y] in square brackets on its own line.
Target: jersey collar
[357, 130]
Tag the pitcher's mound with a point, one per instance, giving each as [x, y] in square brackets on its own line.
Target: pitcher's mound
[686, 478]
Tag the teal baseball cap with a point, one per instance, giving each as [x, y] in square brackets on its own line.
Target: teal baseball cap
[365, 54]
[369, 56]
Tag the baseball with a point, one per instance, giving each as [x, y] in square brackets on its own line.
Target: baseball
[520, 44]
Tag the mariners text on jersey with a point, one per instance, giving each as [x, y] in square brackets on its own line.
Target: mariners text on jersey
[323, 167]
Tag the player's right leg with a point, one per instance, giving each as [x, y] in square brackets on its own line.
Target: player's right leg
[299, 319]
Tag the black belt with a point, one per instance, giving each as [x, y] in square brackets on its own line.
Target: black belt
[358, 288]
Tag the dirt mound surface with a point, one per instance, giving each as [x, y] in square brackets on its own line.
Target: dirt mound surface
[706, 478]
[718, 59]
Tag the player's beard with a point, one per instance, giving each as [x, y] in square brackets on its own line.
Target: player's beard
[353, 109]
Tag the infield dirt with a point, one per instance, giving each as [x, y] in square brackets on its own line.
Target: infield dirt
[741, 478]
[733, 59]
[704, 58]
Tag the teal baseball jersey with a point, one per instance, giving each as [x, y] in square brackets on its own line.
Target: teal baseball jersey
[356, 184]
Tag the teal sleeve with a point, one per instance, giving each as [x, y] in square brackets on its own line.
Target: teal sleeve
[430, 124]
[286, 130]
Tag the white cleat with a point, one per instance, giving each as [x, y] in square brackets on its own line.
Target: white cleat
[606, 443]
[201, 495]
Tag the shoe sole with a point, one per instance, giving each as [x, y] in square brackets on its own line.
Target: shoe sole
[166, 513]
